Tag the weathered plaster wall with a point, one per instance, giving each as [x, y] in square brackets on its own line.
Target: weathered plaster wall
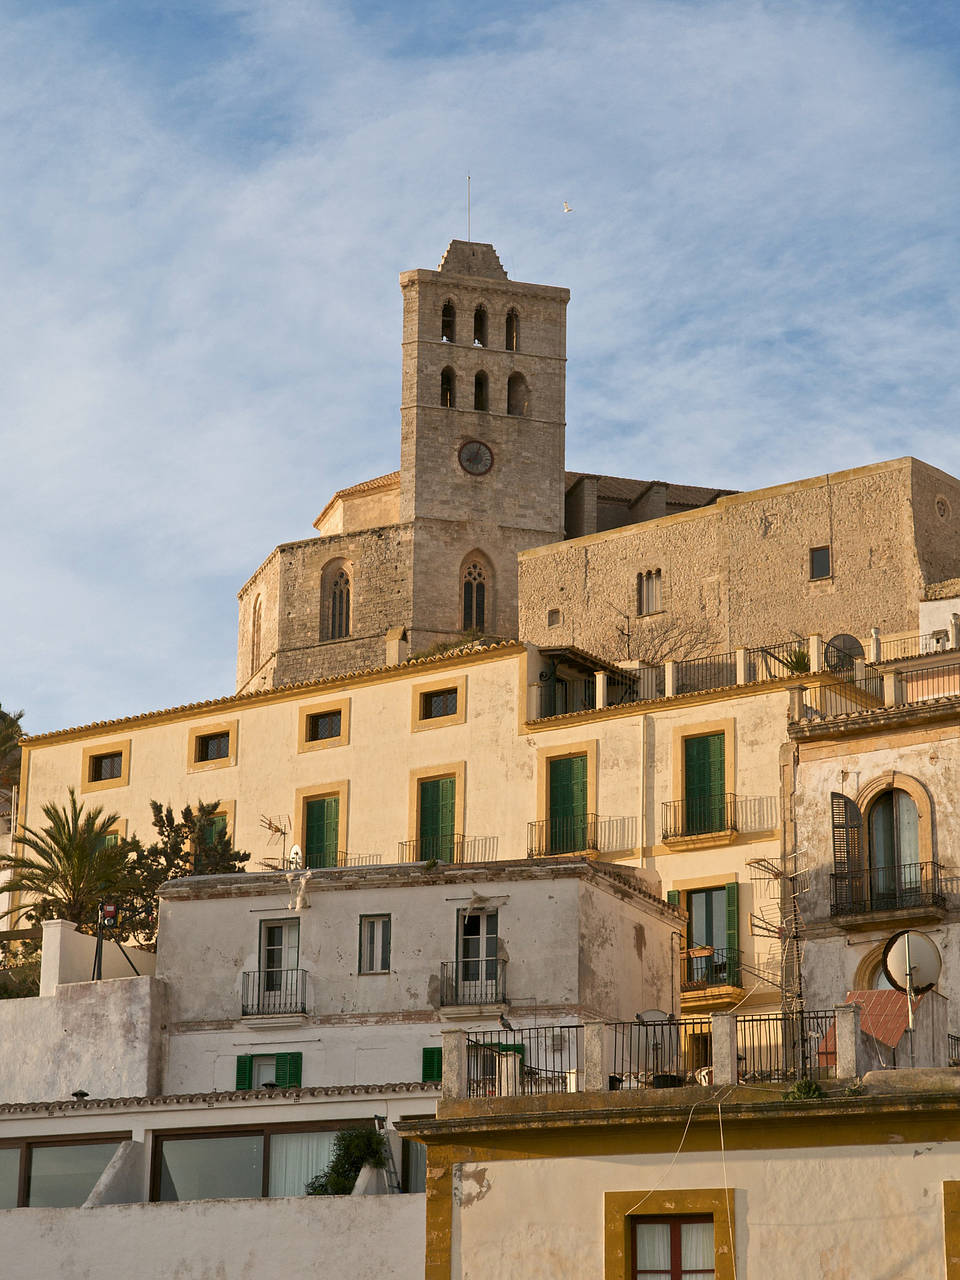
[103, 1037]
[624, 962]
[366, 1237]
[848, 1213]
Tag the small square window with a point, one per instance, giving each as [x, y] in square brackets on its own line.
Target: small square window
[374, 944]
[324, 724]
[213, 746]
[553, 617]
[820, 562]
[105, 767]
[437, 704]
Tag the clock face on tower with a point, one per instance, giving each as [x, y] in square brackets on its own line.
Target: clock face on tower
[476, 458]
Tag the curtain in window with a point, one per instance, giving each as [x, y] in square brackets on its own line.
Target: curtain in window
[653, 1250]
[696, 1248]
[295, 1158]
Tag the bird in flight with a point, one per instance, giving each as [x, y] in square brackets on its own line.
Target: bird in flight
[566, 208]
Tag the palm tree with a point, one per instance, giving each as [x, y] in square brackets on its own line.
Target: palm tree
[10, 734]
[65, 869]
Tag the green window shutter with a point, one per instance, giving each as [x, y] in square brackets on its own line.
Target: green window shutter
[673, 897]
[321, 831]
[704, 783]
[568, 804]
[289, 1070]
[438, 808]
[244, 1071]
[432, 1066]
[733, 935]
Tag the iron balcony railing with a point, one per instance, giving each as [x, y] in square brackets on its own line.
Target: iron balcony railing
[694, 675]
[786, 1046]
[923, 683]
[570, 833]
[953, 1050]
[775, 661]
[267, 991]
[445, 848]
[662, 1054]
[699, 815]
[530, 1060]
[912, 884]
[472, 981]
[719, 968]
[915, 646]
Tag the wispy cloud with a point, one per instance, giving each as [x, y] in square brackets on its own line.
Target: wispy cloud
[204, 214]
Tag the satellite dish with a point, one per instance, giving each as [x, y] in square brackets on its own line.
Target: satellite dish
[912, 961]
[841, 652]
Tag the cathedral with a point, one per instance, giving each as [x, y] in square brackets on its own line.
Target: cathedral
[427, 555]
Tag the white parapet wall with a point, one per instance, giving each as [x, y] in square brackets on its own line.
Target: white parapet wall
[101, 1037]
[68, 956]
[364, 1237]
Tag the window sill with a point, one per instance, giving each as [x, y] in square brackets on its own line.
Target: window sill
[469, 1012]
[270, 1021]
[703, 840]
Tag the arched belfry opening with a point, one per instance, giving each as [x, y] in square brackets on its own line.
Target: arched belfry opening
[518, 396]
[448, 388]
[512, 331]
[481, 392]
[480, 326]
[256, 632]
[448, 323]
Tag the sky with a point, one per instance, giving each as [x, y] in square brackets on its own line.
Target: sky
[205, 205]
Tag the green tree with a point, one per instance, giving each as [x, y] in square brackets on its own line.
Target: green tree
[194, 844]
[65, 868]
[10, 734]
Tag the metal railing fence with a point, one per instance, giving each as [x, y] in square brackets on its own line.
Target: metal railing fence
[915, 646]
[699, 815]
[911, 884]
[779, 1047]
[567, 833]
[694, 675]
[442, 848]
[529, 1060]
[720, 968]
[479, 981]
[655, 1055]
[268, 991]
[776, 661]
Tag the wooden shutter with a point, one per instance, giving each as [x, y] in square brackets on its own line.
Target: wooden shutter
[673, 897]
[733, 934]
[704, 783]
[432, 1065]
[244, 1071]
[568, 804]
[438, 807]
[848, 886]
[321, 831]
[288, 1070]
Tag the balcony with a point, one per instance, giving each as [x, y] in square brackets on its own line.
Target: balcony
[913, 886]
[700, 816]
[571, 833]
[472, 982]
[705, 967]
[272, 992]
[446, 848]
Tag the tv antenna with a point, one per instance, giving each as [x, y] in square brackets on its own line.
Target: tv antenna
[279, 829]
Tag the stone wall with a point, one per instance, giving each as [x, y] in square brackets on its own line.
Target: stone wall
[742, 565]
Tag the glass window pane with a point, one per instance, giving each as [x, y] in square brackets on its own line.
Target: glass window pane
[63, 1177]
[696, 1247]
[211, 1168]
[415, 1155]
[908, 824]
[9, 1176]
[881, 833]
[653, 1246]
[295, 1158]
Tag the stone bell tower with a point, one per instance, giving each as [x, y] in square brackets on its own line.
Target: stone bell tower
[482, 446]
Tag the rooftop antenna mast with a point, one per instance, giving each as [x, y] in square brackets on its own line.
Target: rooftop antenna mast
[468, 208]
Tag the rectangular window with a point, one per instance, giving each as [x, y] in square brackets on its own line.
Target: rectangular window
[820, 562]
[568, 804]
[321, 831]
[712, 921]
[250, 1164]
[213, 746]
[105, 767]
[258, 1070]
[323, 725]
[374, 944]
[673, 1249]
[704, 784]
[9, 1177]
[437, 819]
[439, 703]
[431, 1067]
[279, 987]
[649, 597]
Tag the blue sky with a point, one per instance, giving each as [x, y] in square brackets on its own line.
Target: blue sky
[205, 207]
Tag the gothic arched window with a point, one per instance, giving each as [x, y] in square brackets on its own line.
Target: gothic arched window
[335, 601]
[518, 396]
[256, 627]
[481, 393]
[448, 388]
[448, 323]
[512, 334]
[473, 591]
[480, 326]
[649, 596]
